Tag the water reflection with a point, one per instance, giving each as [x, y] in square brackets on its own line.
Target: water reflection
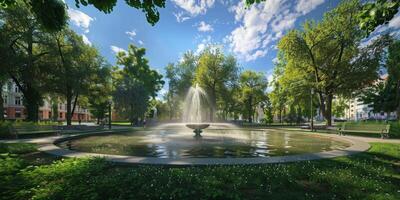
[216, 143]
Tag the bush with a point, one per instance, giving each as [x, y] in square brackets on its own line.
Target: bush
[17, 148]
[6, 125]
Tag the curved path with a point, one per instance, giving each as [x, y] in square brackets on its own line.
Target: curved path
[48, 145]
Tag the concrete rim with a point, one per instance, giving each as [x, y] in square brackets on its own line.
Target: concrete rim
[357, 146]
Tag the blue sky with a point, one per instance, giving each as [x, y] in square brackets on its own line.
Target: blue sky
[249, 34]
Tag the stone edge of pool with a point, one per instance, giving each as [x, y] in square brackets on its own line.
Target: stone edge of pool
[51, 148]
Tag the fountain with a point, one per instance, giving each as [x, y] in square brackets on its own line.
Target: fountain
[194, 113]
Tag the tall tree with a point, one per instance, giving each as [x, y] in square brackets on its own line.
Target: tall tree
[252, 86]
[329, 52]
[100, 91]
[27, 42]
[214, 72]
[393, 68]
[135, 84]
[73, 60]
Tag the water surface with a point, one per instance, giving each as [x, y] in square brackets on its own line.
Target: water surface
[214, 143]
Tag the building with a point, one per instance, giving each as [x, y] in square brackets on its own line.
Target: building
[14, 108]
[357, 110]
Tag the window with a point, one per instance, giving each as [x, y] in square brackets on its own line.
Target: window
[61, 115]
[16, 89]
[17, 101]
[5, 99]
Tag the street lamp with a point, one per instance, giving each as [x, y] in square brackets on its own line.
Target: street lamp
[311, 106]
[109, 113]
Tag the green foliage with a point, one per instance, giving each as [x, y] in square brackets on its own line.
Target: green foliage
[5, 126]
[252, 88]
[149, 7]
[370, 175]
[326, 56]
[375, 13]
[339, 106]
[385, 95]
[17, 148]
[73, 60]
[135, 84]
[215, 73]
[26, 41]
[53, 16]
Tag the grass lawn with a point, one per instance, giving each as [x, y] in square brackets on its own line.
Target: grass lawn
[371, 175]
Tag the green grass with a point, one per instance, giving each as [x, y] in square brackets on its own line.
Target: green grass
[371, 175]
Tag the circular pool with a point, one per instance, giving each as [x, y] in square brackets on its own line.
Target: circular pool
[179, 143]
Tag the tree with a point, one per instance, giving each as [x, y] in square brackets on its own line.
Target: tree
[100, 91]
[135, 84]
[393, 68]
[180, 78]
[380, 97]
[52, 14]
[214, 72]
[252, 87]
[339, 106]
[75, 65]
[27, 43]
[328, 52]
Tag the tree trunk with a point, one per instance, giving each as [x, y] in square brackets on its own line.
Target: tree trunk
[31, 98]
[250, 110]
[328, 111]
[69, 101]
[73, 107]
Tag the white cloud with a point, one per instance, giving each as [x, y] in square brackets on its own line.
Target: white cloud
[204, 27]
[86, 40]
[194, 7]
[80, 19]
[180, 17]
[305, 6]
[116, 49]
[131, 34]
[140, 42]
[203, 44]
[395, 22]
[262, 24]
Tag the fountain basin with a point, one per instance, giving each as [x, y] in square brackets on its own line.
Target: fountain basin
[197, 128]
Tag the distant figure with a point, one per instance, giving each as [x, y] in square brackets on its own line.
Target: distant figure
[144, 123]
[79, 121]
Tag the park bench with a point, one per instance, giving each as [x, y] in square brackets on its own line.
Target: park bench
[32, 130]
[382, 129]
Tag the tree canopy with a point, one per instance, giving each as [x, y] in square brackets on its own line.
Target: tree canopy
[53, 16]
[327, 56]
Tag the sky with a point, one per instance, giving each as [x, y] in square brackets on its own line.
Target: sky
[250, 34]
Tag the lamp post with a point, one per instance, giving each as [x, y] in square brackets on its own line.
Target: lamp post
[311, 106]
[109, 113]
